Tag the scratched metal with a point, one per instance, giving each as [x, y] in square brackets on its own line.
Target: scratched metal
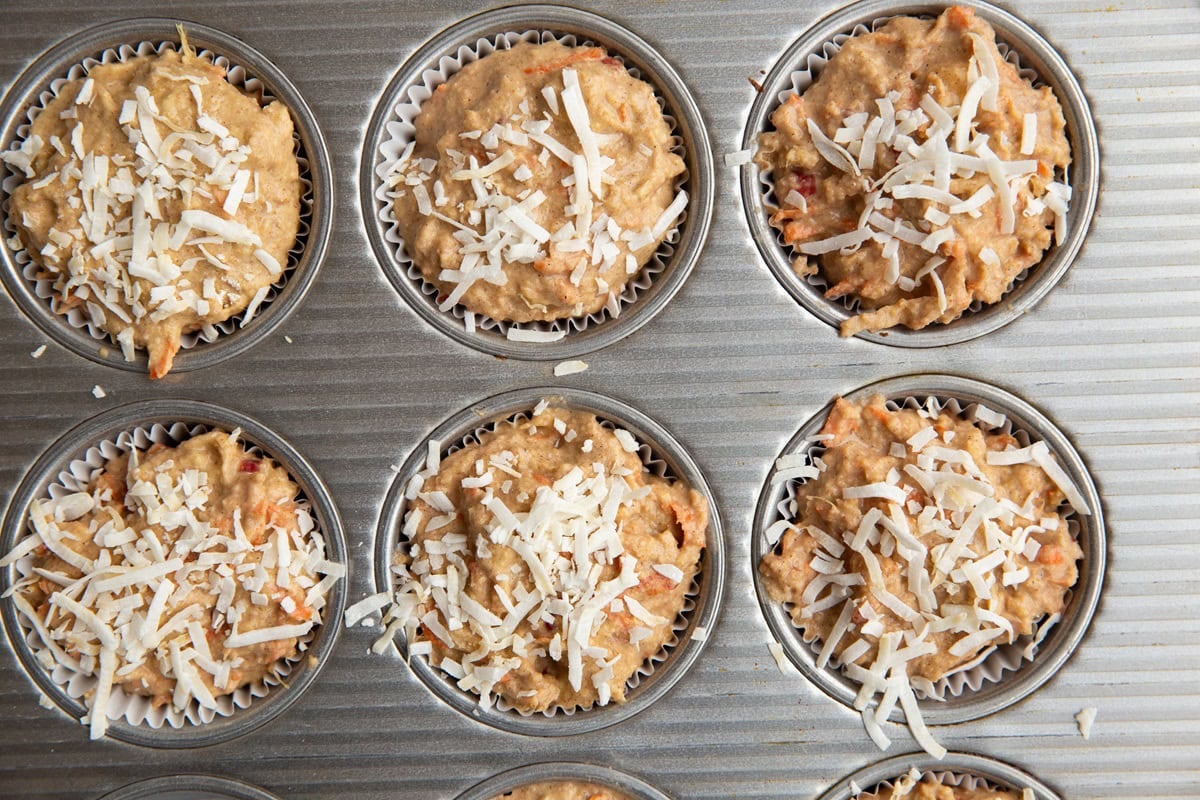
[355, 379]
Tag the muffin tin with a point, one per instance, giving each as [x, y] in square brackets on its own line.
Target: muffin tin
[358, 377]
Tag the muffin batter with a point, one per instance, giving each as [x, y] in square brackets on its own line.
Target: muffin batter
[546, 565]
[919, 543]
[182, 574]
[158, 199]
[562, 790]
[916, 174]
[540, 181]
[932, 790]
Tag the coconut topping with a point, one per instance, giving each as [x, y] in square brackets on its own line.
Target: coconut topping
[934, 145]
[575, 516]
[1084, 720]
[917, 141]
[569, 368]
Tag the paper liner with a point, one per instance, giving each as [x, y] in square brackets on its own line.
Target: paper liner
[237, 75]
[133, 708]
[400, 131]
[801, 79]
[992, 663]
[656, 465]
[962, 780]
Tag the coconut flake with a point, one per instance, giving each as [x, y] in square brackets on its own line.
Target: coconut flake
[539, 337]
[229, 231]
[988, 69]
[366, 607]
[98, 713]
[832, 152]
[569, 368]
[839, 242]
[667, 218]
[1029, 134]
[577, 113]
[776, 651]
[269, 261]
[263, 635]
[1084, 720]
[739, 157]
[253, 305]
[628, 442]
[1043, 458]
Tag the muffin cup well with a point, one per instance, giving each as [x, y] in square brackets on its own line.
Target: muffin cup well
[246, 69]
[496, 786]
[1008, 673]
[391, 129]
[189, 787]
[67, 466]
[661, 454]
[956, 769]
[1024, 47]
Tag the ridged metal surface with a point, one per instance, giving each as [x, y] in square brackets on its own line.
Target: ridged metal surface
[732, 367]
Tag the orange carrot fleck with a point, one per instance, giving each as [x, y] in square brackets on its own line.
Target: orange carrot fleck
[590, 54]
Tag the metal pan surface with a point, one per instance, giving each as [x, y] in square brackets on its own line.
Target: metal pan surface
[356, 379]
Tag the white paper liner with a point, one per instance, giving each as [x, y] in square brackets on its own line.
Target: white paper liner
[962, 780]
[801, 79]
[654, 464]
[237, 75]
[133, 708]
[400, 131]
[992, 663]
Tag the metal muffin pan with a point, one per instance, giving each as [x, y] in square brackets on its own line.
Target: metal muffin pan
[1034, 53]
[659, 450]
[679, 253]
[356, 379]
[629, 786]
[107, 427]
[996, 774]
[39, 81]
[1062, 639]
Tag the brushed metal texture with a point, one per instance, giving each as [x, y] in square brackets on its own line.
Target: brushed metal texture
[354, 379]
